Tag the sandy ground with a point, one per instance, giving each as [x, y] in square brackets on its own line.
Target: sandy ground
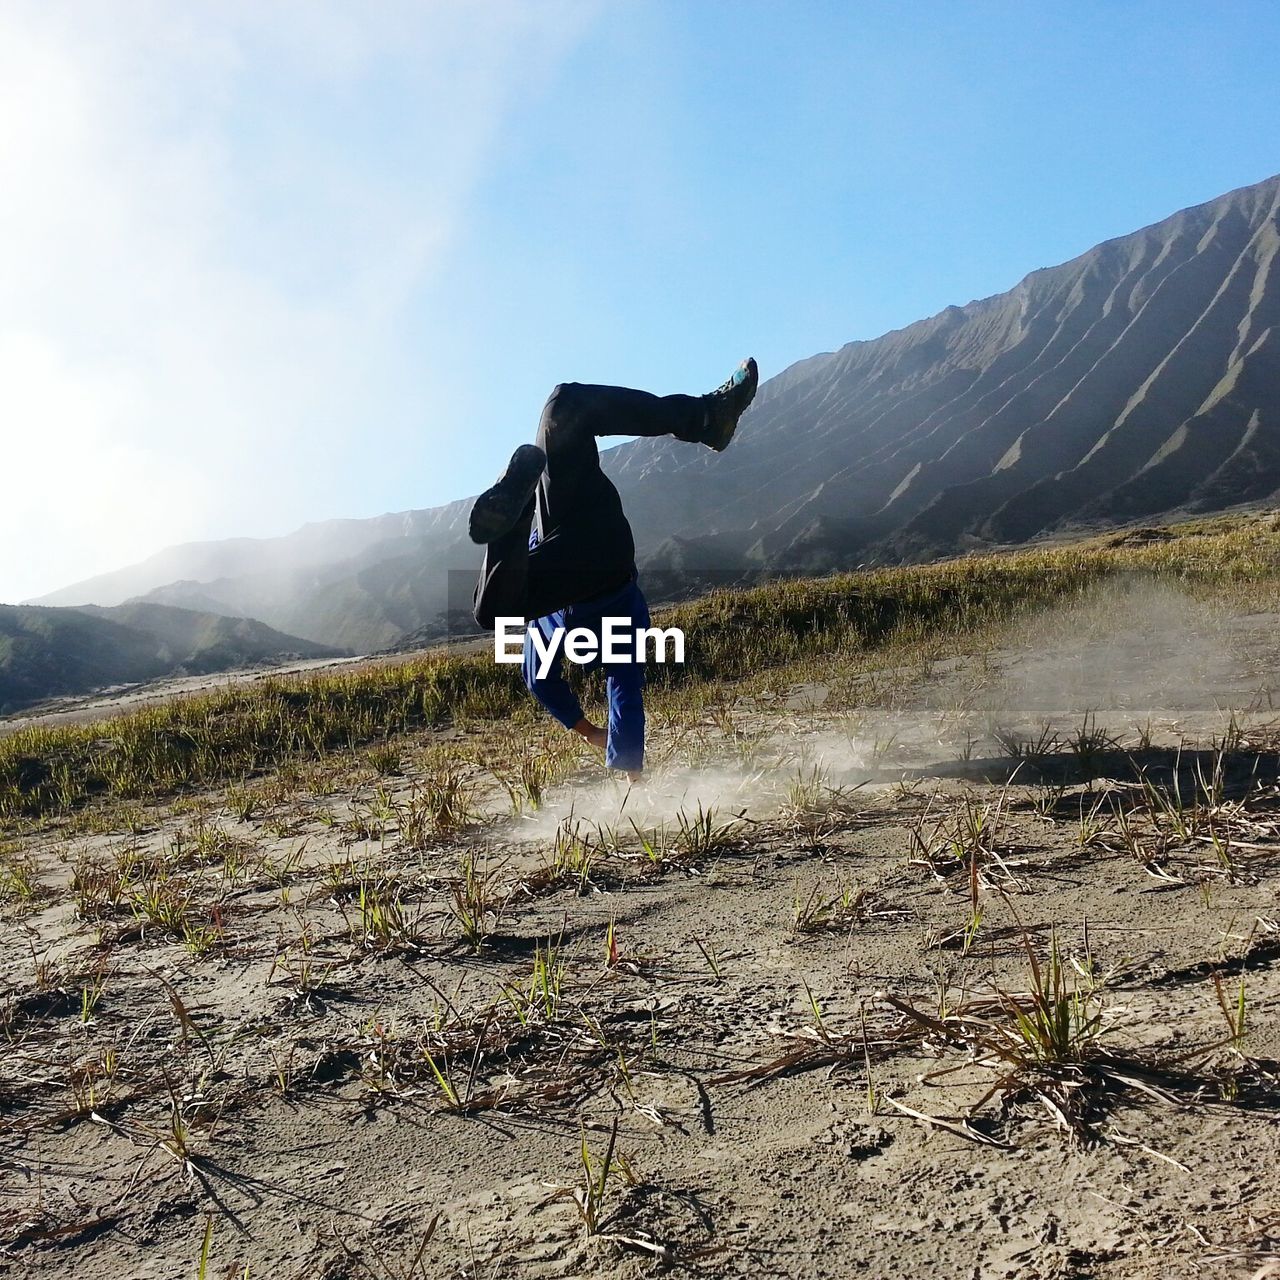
[791, 1038]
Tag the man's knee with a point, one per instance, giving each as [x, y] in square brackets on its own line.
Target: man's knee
[564, 397]
[563, 410]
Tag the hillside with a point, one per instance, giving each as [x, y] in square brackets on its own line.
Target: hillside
[1139, 380]
[48, 652]
[939, 938]
[1135, 381]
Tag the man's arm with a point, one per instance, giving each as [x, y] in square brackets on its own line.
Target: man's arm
[552, 690]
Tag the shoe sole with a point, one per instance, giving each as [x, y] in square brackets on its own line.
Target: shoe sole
[499, 506]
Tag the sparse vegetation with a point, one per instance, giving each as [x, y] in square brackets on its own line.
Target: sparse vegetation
[601, 1171]
[17, 878]
[236, 732]
[846, 907]
[477, 900]
[470, 931]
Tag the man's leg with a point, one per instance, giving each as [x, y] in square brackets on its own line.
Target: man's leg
[625, 743]
[625, 738]
[577, 413]
[585, 545]
[503, 587]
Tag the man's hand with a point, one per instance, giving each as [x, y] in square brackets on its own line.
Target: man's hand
[593, 733]
[600, 738]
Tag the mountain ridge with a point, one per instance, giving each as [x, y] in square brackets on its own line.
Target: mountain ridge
[1135, 380]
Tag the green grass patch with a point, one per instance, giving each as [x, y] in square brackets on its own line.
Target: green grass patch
[225, 736]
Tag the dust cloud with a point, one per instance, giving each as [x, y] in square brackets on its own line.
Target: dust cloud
[1133, 659]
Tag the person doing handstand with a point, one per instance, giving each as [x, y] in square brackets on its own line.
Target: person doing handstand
[559, 549]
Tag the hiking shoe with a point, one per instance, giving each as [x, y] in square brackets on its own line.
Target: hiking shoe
[500, 506]
[727, 403]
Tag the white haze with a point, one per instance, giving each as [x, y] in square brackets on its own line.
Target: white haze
[206, 255]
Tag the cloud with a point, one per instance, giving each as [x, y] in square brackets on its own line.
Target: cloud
[75, 478]
[217, 222]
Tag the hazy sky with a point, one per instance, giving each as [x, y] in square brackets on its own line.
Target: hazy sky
[285, 260]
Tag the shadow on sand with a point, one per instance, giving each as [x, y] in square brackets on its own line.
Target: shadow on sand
[1192, 776]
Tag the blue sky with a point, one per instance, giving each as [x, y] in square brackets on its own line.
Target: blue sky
[263, 264]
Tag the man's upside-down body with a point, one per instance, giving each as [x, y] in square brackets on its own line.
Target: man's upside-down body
[559, 549]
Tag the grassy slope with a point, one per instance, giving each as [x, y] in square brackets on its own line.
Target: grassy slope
[229, 734]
